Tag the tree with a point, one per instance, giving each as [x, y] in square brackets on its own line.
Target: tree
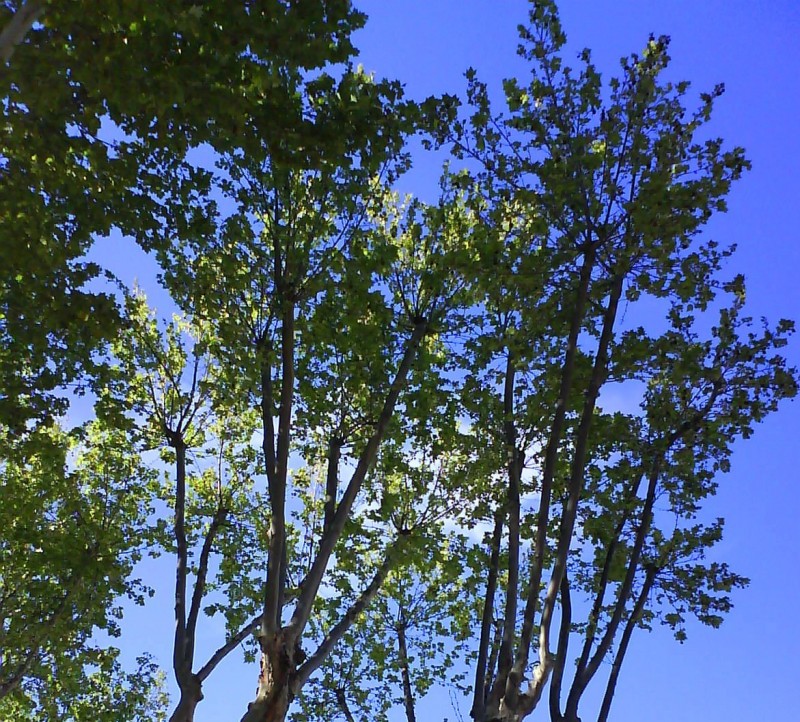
[90, 121]
[185, 410]
[355, 382]
[91, 685]
[592, 198]
[320, 319]
[72, 532]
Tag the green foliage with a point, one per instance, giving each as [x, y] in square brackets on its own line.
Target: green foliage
[357, 385]
[90, 685]
[74, 524]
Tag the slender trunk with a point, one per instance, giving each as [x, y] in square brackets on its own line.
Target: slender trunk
[506, 655]
[189, 685]
[281, 655]
[551, 460]
[561, 652]
[191, 694]
[284, 442]
[276, 558]
[584, 675]
[268, 623]
[181, 569]
[482, 670]
[597, 605]
[633, 620]
[491, 665]
[341, 700]
[331, 482]
[365, 462]
[576, 482]
[405, 672]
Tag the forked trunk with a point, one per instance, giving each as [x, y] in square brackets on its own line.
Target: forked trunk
[191, 694]
[273, 696]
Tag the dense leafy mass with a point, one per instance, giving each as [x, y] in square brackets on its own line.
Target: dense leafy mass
[378, 436]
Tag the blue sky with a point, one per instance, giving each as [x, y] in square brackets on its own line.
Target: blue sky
[745, 671]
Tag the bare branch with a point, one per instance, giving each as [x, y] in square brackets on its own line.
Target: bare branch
[250, 628]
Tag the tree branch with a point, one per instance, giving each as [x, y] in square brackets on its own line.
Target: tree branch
[331, 482]
[561, 650]
[9, 684]
[250, 628]
[314, 577]
[341, 627]
[481, 669]
[200, 582]
[584, 675]
[577, 475]
[597, 605]
[514, 470]
[179, 661]
[341, 700]
[277, 562]
[551, 458]
[16, 29]
[633, 620]
[405, 673]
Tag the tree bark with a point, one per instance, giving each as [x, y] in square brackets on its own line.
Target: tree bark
[278, 664]
[191, 694]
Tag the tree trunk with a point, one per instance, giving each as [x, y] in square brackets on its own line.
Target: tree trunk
[191, 694]
[273, 695]
[408, 692]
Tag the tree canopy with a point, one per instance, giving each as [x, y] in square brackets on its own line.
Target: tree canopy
[377, 437]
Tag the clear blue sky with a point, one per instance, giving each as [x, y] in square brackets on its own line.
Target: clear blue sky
[747, 670]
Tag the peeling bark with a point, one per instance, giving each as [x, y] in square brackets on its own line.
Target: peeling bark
[278, 664]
